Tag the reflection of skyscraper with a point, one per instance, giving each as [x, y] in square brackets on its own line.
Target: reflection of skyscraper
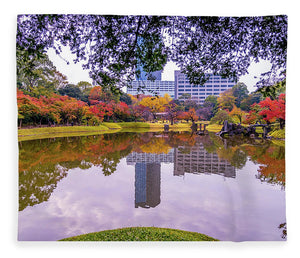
[136, 157]
[147, 185]
[198, 160]
[147, 176]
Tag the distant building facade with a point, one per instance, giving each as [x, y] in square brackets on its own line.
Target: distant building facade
[214, 86]
[156, 87]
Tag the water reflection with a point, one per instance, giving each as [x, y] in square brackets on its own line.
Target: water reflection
[43, 164]
[198, 160]
[147, 185]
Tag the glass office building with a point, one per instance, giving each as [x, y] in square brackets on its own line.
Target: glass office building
[149, 76]
[214, 86]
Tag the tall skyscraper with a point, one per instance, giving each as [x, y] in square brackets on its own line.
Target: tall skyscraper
[214, 86]
[150, 84]
[144, 76]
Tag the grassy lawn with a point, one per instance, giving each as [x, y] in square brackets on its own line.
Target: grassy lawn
[142, 234]
[63, 131]
[106, 127]
[214, 128]
[110, 127]
[278, 134]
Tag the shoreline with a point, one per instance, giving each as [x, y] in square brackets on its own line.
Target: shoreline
[111, 127]
[65, 131]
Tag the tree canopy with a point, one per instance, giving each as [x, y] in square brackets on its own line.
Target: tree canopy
[114, 48]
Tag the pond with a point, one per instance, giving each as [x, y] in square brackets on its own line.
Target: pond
[232, 189]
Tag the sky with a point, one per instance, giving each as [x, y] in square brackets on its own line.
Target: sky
[75, 73]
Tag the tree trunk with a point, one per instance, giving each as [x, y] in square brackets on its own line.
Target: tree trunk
[281, 123]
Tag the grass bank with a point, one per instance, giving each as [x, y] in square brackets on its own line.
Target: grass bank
[215, 128]
[278, 134]
[142, 234]
[106, 127]
[62, 131]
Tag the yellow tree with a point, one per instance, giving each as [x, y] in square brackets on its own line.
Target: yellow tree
[156, 104]
[134, 100]
[226, 100]
[238, 113]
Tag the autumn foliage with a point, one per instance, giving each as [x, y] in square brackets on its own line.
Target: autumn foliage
[56, 109]
[273, 110]
[268, 110]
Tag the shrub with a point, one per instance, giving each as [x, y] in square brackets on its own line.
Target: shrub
[220, 117]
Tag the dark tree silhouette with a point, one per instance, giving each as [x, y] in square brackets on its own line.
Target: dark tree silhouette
[115, 48]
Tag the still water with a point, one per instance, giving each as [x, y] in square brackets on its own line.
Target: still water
[232, 190]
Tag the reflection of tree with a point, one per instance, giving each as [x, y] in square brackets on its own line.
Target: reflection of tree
[239, 159]
[234, 155]
[36, 186]
[212, 143]
[156, 145]
[184, 141]
[108, 151]
[272, 162]
[109, 165]
[43, 163]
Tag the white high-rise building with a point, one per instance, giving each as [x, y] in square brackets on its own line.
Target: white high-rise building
[214, 86]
